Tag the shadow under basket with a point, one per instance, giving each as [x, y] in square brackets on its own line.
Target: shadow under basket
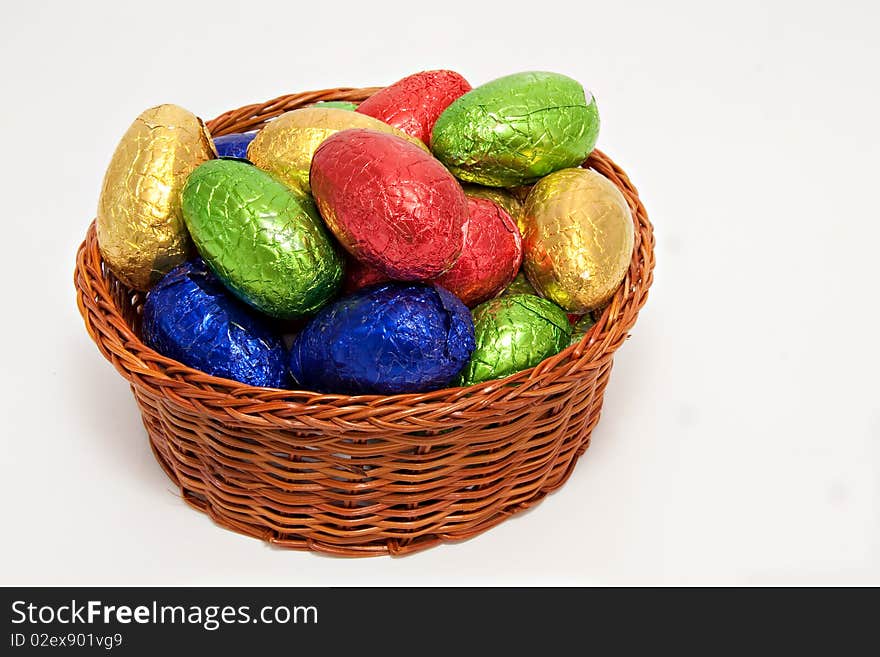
[365, 475]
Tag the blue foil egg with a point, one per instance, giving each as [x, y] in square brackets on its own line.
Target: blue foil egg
[234, 145]
[190, 317]
[386, 339]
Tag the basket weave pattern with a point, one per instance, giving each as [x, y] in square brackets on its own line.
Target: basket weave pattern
[365, 475]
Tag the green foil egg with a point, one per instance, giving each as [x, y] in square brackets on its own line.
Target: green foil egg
[516, 129]
[513, 333]
[265, 242]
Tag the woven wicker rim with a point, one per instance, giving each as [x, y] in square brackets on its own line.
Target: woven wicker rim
[224, 399]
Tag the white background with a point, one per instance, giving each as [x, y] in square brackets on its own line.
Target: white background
[740, 441]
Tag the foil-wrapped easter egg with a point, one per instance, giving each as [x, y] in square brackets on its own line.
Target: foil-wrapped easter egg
[514, 332]
[578, 238]
[520, 285]
[284, 147]
[387, 339]
[414, 103]
[234, 145]
[264, 241]
[338, 104]
[491, 255]
[191, 317]
[140, 229]
[389, 203]
[517, 129]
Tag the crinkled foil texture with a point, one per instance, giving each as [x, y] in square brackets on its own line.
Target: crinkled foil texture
[234, 145]
[390, 204]
[517, 129]
[265, 242]
[491, 255]
[285, 146]
[489, 260]
[386, 339]
[578, 240]
[513, 333]
[140, 229]
[190, 317]
[414, 103]
[510, 203]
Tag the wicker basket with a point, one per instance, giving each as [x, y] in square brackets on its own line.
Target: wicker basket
[365, 475]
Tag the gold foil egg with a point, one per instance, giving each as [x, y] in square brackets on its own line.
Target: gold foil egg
[285, 146]
[578, 238]
[140, 228]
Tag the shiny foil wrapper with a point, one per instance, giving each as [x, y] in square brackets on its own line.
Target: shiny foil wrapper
[507, 200]
[140, 228]
[189, 316]
[414, 103]
[491, 255]
[390, 204]
[387, 339]
[516, 129]
[578, 240]
[265, 242]
[234, 145]
[284, 147]
[513, 333]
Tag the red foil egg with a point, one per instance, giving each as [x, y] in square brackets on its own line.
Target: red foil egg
[490, 258]
[414, 103]
[389, 203]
